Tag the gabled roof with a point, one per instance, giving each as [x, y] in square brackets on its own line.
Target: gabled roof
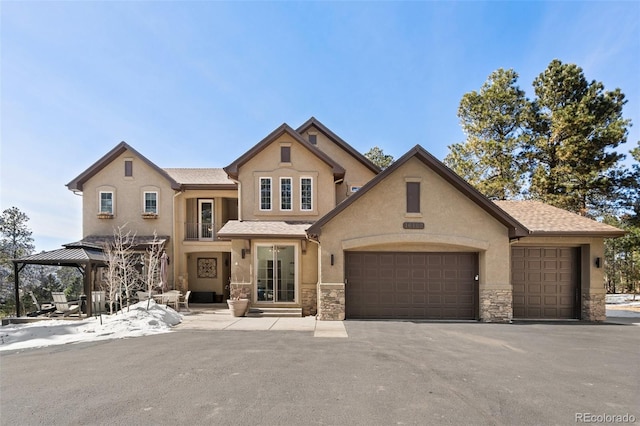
[543, 219]
[201, 178]
[77, 183]
[233, 168]
[516, 229]
[313, 122]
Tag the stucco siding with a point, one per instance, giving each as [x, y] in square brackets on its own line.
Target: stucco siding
[128, 199]
[452, 222]
[267, 164]
[356, 173]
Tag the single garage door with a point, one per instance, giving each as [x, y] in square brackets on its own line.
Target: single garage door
[411, 285]
[545, 282]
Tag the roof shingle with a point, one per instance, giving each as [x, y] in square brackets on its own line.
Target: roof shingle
[199, 176]
[247, 228]
[541, 218]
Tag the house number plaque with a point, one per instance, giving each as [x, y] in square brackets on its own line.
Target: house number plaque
[413, 225]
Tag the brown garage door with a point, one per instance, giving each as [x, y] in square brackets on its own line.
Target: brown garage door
[545, 282]
[411, 285]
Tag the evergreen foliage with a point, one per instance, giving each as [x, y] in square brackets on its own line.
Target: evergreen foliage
[379, 158]
[492, 119]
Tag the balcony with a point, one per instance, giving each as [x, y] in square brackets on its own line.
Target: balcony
[200, 231]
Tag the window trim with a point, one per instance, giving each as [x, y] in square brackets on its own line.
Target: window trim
[260, 205]
[310, 209]
[144, 202]
[113, 202]
[282, 208]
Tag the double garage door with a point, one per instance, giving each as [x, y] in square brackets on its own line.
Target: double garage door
[411, 285]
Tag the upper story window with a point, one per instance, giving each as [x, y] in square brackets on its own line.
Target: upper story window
[306, 193]
[265, 193]
[128, 168]
[106, 202]
[413, 197]
[151, 202]
[285, 193]
[313, 138]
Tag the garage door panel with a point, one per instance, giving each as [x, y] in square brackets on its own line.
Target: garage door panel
[532, 300]
[418, 274]
[434, 287]
[533, 288]
[533, 276]
[403, 287]
[421, 285]
[545, 282]
[434, 274]
[418, 299]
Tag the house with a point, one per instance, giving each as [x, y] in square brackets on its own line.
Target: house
[302, 221]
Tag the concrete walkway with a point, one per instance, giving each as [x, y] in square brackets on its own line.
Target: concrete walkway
[218, 317]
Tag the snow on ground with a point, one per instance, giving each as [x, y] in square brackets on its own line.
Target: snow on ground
[623, 305]
[616, 299]
[138, 321]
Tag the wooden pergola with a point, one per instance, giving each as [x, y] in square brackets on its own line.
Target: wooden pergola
[87, 258]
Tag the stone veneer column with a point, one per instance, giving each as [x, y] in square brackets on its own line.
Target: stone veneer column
[309, 301]
[593, 307]
[496, 305]
[331, 302]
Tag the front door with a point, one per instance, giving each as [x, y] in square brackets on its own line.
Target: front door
[276, 273]
[205, 221]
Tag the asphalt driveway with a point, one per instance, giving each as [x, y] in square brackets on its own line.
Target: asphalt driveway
[384, 373]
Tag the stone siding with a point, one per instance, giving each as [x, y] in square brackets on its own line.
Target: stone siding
[496, 305]
[593, 307]
[331, 302]
[309, 301]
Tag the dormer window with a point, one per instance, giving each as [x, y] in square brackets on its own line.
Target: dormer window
[313, 138]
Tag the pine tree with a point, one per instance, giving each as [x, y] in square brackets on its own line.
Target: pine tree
[575, 126]
[492, 119]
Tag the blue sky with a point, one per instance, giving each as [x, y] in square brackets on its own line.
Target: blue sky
[195, 84]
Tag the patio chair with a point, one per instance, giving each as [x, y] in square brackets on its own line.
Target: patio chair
[63, 306]
[41, 309]
[184, 301]
[171, 297]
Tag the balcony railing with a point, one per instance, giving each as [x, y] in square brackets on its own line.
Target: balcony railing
[200, 231]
